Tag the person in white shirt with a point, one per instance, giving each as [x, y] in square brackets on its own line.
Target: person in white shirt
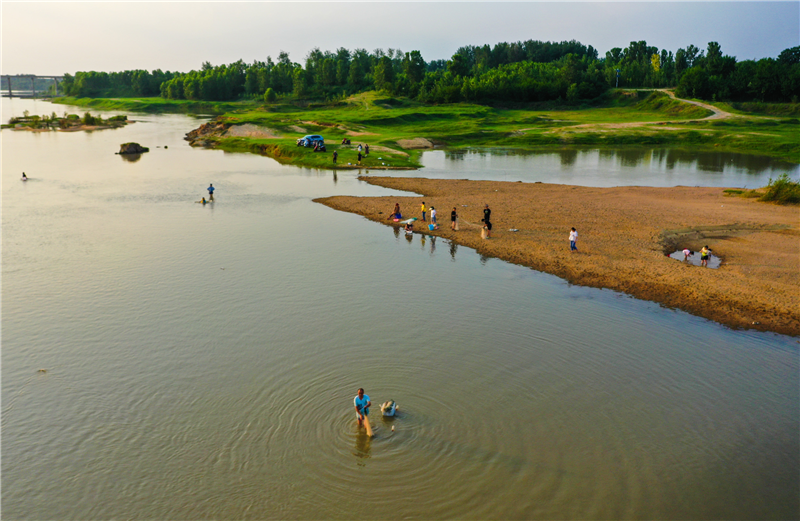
[573, 237]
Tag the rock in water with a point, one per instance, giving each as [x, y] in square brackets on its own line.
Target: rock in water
[132, 148]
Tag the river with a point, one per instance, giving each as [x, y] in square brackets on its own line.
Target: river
[162, 359]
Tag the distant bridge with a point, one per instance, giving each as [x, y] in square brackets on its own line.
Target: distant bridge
[22, 79]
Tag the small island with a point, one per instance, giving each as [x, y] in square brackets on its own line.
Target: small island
[66, 123]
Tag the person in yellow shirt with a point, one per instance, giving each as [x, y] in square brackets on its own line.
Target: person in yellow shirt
[423, 211]
[704, 256]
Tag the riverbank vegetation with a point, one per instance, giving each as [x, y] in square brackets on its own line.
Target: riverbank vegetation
[517, 72]
[67, 122]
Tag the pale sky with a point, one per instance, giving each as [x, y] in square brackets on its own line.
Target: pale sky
[50, 38]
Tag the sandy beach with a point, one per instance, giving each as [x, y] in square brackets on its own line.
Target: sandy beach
[625, 234]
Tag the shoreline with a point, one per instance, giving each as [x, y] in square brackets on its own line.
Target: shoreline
[624, 236]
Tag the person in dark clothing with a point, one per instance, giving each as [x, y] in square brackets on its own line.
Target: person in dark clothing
[335, 156]
[487, 214]
[210, 192]
[359, 158]
[453, 218]
[366, 150]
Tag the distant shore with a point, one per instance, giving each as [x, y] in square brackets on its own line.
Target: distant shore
[625, 234]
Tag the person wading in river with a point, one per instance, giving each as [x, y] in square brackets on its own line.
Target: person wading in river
[362, 404]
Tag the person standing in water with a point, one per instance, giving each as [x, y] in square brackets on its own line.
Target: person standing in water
[362, 404]
[24, 177]
[704, 256]
[210, 192]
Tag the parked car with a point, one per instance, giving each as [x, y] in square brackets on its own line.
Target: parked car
[310, 140]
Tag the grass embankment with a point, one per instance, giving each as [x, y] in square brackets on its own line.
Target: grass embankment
[779, 191]
[396, 128]
[156, 105]
[762, 109]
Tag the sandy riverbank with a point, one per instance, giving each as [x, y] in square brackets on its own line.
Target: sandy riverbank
[624, 234]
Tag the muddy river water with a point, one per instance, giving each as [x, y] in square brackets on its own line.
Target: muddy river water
[162, 359]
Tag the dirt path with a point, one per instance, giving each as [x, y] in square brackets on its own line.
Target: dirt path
[717, 114]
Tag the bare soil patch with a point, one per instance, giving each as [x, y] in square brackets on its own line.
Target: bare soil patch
[625, 234]
[415, 143]
[387, 150]
[252, 131]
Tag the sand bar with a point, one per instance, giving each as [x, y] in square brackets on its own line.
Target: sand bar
[624, 234]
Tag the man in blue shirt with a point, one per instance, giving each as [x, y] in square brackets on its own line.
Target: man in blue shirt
[210, 192]
[362, 404]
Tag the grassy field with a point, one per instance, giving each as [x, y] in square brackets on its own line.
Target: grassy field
[396, 129]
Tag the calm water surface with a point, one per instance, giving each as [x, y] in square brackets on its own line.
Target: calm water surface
[631, 166]
[201, 361]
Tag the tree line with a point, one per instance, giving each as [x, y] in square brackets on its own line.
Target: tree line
[506, 72]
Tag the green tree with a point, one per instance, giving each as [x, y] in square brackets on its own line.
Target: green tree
[270, 96]
[299, 85]
[356, 75]
[384, 74]
[414, 66]
[458, 66]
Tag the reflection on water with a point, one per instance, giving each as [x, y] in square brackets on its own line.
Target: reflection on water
[568, 157]
[606, 167]
[363, 448]
[131, 158]
[453, 250]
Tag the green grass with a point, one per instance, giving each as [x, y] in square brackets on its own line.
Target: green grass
[762, 109]
[382, 121]
[155, 105]
[782, 191]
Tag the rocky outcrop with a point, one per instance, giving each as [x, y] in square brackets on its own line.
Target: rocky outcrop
[199, 137]
[132, 148]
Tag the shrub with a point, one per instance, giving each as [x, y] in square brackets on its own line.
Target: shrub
[782, 191]
[269, 95]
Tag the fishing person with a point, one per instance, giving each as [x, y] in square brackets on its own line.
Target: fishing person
[210, 192]
[362, 404]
